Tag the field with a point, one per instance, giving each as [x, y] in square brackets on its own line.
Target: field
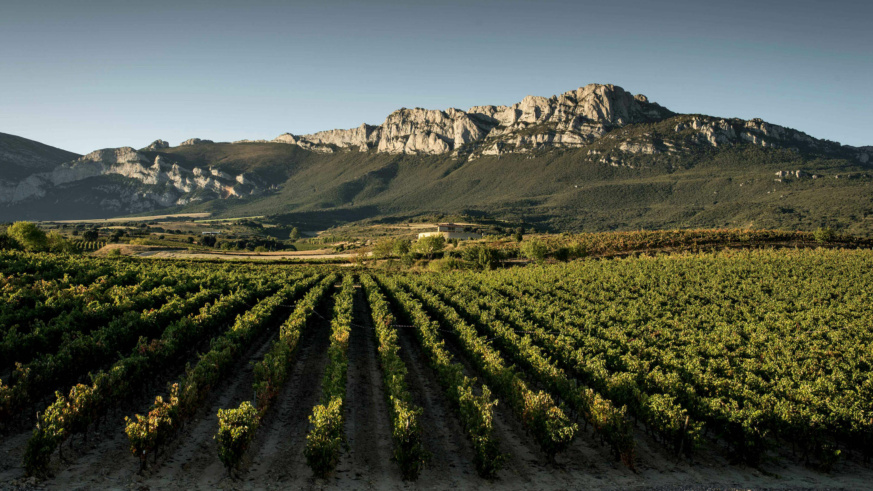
[140, 218]
[730, 369]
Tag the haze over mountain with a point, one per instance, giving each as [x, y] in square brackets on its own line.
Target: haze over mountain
[593, 158]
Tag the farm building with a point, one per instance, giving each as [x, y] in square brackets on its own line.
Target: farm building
[451, 231]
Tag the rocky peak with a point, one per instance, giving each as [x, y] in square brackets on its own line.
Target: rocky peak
[121, 155]
[594, 103]
[157, 145]
[194, 141]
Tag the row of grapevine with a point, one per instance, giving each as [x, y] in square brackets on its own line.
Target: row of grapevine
[76, 412]
[31, 381]
[148, 433]
[88, 245]
[326, 434]
[25, 308]
[49, 266]
[405, 415]
[547, 422]
[48, 337]
[514, 338]
[751, 345]
[237, 426]
[476, 411]
[660, 413]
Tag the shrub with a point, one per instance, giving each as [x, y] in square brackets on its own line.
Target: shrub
[445, 264]
[384, 248]
[28, 235]
[55, 242]
[482, 256]
[823, 235]
[534, 250]
[562, 253]
[401, 247]
[7, 242]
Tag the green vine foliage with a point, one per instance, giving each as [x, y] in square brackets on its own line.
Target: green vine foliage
[236, 428]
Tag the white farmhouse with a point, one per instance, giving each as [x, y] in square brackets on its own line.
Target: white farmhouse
[451, 231]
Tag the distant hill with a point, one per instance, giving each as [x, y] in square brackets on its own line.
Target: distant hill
[596, 158]
[20, 157]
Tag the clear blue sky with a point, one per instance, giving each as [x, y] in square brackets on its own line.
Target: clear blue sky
[83, 75]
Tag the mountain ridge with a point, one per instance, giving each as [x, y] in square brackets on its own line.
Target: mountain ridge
[596, 137]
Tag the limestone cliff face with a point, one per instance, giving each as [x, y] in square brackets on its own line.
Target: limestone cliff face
[363, 137]
[571, 119]
[595, 103]
[194, 141]
[430, 132]
[171, 183]
[716, 132]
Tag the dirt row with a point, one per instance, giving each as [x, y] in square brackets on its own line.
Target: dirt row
[276, 461]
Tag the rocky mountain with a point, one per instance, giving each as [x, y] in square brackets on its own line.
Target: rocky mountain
[149, 183]
[572, 119]
[595, 157]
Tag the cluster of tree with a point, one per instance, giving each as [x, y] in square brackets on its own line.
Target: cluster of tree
[391, 247]
[256, 244]
[27, 236]
[475, 255]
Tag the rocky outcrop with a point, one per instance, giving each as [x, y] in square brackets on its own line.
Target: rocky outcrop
[303, 143]
[716, 132]
[363, 137]
[157, 145]
[570, 120]
[646, 148]
[168, 178]
[194, 141]
[422, 131]
[573, 119]
[594, 103]
[797, 174]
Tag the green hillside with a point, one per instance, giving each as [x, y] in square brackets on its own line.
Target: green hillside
[648, 175]
[556, 189]
[20, 157]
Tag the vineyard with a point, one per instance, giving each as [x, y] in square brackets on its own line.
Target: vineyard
[727, 369]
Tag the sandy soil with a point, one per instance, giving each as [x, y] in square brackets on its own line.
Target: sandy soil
[276, 460]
